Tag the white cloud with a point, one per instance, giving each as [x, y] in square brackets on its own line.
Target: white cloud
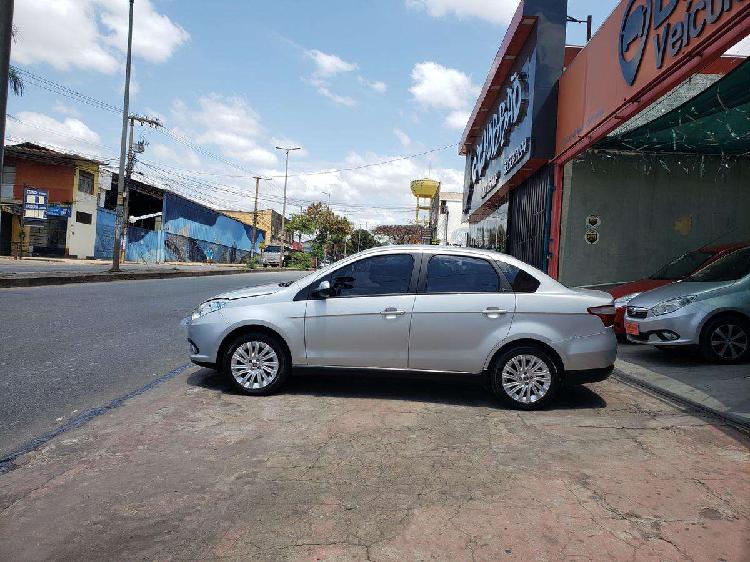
[65, 109]
[91, 34]
[438, 86]
[323, 90]
[378, 86]
[229, 123]
[403, 138]
[742, 48]
[327, 65]
[457, 119]
[494, 11]
[70, 134]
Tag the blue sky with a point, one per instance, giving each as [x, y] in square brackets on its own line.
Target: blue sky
[353, 82]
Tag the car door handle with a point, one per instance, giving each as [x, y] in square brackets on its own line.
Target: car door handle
[391, 311]
[493, 312]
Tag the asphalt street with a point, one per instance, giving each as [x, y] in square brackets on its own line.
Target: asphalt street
[65, 349]
[9, 266]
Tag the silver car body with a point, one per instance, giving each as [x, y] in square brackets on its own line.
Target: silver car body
[456, 332]
[684, 325]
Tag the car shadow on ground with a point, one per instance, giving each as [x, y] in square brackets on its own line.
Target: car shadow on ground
[462, 390]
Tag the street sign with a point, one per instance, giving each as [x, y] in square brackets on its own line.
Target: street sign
[35, 206]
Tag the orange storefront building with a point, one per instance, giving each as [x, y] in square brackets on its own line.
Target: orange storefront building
[599, 164]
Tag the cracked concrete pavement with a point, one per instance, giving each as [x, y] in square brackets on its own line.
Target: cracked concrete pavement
[354, 467]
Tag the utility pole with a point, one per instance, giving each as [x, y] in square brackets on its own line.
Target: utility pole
[132, 151]
[120, 215]
[6, 32]
[255, 214]
[283, 211]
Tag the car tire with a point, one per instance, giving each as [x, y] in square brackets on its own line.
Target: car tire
[510, 382]
[726, 340]
[256, 363]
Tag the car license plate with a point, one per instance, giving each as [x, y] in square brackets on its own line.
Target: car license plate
[632, 328]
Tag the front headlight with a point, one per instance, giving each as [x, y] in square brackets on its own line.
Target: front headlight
[624, 300]
[208, 307]
[670, 305]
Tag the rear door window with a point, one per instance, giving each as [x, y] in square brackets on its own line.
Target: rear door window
[519, 280]
[461, 274]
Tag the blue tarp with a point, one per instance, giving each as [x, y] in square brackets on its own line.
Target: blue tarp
[105, 234]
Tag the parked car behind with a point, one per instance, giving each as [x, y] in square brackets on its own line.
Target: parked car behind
[676, 270]
[710, 309]
[413, 308]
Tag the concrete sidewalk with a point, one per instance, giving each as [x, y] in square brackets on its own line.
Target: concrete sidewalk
[31, 272]
[369, 468]
[682, 374]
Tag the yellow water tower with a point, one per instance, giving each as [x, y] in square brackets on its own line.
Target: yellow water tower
[424, 189]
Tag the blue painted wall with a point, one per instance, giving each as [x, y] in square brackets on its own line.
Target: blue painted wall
[190, 220]
[105, 234]
[144, 245]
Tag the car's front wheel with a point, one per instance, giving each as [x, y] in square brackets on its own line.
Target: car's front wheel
[525, 377]
[726, 340]
[256, 363]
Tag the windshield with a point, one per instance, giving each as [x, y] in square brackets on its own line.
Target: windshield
[274, 249]
[682, 266]
[731, 267]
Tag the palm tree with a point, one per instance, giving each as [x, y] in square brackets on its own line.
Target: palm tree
[15, 81]
[14, 78]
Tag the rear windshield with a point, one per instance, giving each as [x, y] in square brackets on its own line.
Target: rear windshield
[728, 268]
[273, 248]
[682, 266]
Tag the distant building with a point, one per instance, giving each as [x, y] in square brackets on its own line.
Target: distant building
[71, 183]
[449, 216]
[268, 220]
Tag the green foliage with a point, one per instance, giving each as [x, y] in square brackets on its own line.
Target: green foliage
[361, 239]
[300, 260]
[251, 262]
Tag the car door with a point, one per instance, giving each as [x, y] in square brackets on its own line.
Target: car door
[365, 321]
[463, 308]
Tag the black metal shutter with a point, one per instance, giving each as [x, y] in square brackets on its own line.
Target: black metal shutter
[529, 219]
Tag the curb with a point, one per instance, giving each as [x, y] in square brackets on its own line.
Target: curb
[6, 283]
[729, 419]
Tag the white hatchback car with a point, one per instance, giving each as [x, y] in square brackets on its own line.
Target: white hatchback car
[413, 308]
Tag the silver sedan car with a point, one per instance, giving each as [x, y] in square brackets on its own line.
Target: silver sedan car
[709, 309]
[411, 309]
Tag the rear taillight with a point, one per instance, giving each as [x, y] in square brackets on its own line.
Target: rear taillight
[605, 313]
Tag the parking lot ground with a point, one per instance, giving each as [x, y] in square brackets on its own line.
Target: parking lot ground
[723, 389]
[352, 466]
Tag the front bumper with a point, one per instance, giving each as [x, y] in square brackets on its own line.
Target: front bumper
[681, 327]
[204, 337]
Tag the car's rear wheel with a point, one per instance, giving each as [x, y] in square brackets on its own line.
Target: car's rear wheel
[525, 377]
[256, 363]
[726, 340]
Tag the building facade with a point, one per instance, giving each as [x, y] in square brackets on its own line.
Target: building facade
[70, 183]
[268, 220]
[645, 156]
[449, 216]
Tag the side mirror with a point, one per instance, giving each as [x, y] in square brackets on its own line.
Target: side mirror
[323, 290]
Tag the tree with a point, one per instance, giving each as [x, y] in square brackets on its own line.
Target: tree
[329, 229]
[14, 77]
[400, 233]
[361, 239]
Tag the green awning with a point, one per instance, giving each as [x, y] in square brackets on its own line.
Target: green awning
[716, 121]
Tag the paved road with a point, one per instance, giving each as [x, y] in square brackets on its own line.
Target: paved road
[69, 348]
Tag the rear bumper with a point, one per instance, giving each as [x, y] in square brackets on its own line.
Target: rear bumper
[597, 351]
[588, 375]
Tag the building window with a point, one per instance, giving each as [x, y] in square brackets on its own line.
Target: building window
[85, 182]
[83, 218]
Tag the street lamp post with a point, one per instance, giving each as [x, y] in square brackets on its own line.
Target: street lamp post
[287, 150]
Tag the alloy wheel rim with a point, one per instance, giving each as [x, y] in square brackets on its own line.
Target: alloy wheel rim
[526, 378]
[729, 341]
[255, 364]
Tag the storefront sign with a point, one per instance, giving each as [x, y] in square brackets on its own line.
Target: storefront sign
[58, 211]
[641, 51]
[34, 205]
[642, 18]
[510, 111]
